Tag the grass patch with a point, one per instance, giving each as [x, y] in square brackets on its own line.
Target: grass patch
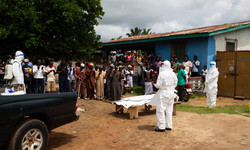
[138, 90]
[232, 109]
[192, 96]
[196, 95]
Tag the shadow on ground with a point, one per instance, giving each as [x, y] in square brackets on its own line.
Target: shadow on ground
[58, 139]
[147, 127]
[121, 116]
[147, 112]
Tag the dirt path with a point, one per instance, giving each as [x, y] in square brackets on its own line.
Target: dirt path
[100, 128]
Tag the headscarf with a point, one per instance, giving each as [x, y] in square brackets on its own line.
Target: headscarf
[26, 60]
[82, 65]
[90, 64]
[112, 65]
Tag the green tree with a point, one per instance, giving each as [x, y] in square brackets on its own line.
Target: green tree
[134, 32]
[52, 28]
[120, 37]
[146, 31]
[138, 31]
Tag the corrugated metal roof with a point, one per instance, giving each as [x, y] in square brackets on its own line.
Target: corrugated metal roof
[183, 32]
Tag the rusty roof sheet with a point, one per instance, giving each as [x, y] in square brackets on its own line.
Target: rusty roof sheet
[183, 32]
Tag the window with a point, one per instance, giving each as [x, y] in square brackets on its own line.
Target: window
[179, 49]
[231, 44]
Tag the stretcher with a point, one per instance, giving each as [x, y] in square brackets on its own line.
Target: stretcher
[133, 103]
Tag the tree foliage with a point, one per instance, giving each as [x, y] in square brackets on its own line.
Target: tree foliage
[138, 31]
[53, 28]
[120, 37]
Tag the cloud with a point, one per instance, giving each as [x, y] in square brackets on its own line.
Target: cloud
[108, 32]
[169, 26]
[168, 15]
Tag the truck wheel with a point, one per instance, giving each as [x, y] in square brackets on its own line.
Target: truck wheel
[31, 134]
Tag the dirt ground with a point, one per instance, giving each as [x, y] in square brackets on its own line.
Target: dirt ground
[99, 128]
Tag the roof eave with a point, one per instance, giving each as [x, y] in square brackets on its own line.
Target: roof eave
[158, 39]
[229, 29]
[204, 34]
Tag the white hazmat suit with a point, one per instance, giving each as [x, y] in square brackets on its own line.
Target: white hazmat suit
[211, 84]
[17, 68]
[164, 98]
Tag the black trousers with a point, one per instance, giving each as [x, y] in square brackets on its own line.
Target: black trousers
[181, 92]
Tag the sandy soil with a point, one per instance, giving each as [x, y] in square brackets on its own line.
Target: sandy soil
[100, 128]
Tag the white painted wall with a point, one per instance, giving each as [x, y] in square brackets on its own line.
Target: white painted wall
[243, 37]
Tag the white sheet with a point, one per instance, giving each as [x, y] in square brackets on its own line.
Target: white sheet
[15, 93]
[135, 100]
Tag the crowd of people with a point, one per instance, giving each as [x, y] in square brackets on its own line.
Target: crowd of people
[108, 81]
[89, 80]
[151, 64]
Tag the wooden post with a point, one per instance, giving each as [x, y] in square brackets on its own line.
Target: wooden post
[174, 109]
[133, 112]
[147, 107]
[119, 109]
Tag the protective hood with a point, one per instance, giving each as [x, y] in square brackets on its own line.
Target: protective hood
[212, 66]
[166, 66]
[82, 65]
[19, 56]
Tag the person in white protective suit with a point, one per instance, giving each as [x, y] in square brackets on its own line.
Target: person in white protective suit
[17, 68]
[164, 98]
[211, 86]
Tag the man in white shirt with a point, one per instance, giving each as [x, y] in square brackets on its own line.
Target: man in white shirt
[188, 66]
[196, 65]
[129, 74]
[38, 72]
[51, 80]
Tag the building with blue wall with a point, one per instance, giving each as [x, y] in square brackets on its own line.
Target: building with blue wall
[200, 42]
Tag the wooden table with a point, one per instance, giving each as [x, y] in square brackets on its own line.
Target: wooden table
[133, 110]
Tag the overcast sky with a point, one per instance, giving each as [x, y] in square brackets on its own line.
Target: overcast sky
[168, 15]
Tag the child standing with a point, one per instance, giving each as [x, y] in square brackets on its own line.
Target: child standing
[148, 74]
[204, 73]
[129, 74]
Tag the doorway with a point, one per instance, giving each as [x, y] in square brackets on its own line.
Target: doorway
[179, 49]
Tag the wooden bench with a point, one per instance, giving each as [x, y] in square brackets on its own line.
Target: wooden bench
[174, 108]
[133, 110]
[196, 84]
